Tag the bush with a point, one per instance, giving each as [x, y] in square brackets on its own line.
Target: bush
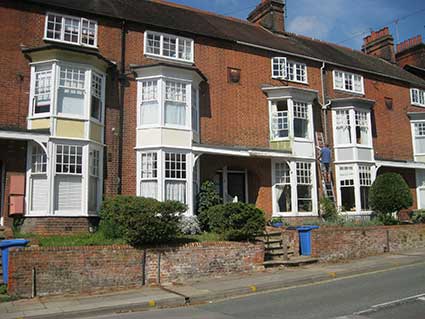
[207, 198]
[237, 221]
[141, 221]
[328, 210]
[418, 217]
[189, 225]
[389, 194]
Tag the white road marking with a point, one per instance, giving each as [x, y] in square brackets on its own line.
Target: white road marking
[390, 303]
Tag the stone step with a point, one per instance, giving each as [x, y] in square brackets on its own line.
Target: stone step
[292, 262]
[279, 252]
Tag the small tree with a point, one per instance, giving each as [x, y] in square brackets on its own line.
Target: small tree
[388, 194]
[207, 198]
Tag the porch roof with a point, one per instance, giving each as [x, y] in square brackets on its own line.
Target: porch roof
[241, 151]
[25, 135]
[400, 164]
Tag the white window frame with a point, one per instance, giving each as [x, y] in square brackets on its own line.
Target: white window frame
[295, 66]
[161, 98]
[154, 158]
[41, 159]
[352, 126]
[95, 170]
[420, 95]
[418, 133]
[62, 40]
[291, 115]
[281, 72]
[178, 39]
[352, 76]
[54, 91]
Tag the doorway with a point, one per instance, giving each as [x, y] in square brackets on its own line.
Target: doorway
[232, 185]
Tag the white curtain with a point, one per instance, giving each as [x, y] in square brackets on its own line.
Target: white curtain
[39, 191]
[343, 135]
[68, 193]
[420, 145]
[71, 101]
[149, 113]
[175, 190]
[175, 113]
[149, 189]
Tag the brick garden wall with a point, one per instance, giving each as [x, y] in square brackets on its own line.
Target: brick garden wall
[73, 270]
[336, 243]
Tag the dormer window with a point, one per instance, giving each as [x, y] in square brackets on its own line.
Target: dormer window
[417, 97]
[168, 46]
[284, 69]
[349, 82]
[71, 29]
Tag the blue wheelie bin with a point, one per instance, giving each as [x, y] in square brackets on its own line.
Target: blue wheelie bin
[4, 246]
[304, 233]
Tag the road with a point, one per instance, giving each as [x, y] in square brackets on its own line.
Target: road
[393, 294]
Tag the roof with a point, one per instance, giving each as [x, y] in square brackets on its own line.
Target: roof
[185, 19]
[173, 65]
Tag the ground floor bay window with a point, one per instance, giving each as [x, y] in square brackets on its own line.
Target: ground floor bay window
[166, 175]
[294, 189]
[66, 180]
[353, 185]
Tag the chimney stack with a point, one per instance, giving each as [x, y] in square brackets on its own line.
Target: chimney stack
[270, 15]
[412, 52]
[380, 44]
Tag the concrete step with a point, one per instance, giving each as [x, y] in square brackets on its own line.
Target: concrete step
[291, 262]
[279, 252]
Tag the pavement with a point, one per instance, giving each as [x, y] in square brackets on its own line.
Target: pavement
[203, 290]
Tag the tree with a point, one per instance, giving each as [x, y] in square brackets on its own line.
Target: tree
[207, 198]
[388, 194]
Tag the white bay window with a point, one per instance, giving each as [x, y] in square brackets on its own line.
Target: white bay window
[352, 127]
[80, 91]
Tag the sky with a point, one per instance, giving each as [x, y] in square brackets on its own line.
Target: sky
[345, 22]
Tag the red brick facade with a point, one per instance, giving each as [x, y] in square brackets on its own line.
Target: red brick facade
[230, 114]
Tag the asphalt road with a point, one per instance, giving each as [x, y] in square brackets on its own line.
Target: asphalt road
[394, 294]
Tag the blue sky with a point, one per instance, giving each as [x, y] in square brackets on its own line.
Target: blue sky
[345, 22]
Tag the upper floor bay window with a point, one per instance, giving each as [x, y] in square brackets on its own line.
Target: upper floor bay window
[289, 118]
[352, 127]
[348, 82]
[168, 102]
[289, 70]
[417, 97]
[70, 29]
[169, 46]
[78, 91]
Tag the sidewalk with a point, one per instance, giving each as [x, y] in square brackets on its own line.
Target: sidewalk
[200, 291]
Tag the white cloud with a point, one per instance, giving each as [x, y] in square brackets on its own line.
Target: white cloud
[310, 26]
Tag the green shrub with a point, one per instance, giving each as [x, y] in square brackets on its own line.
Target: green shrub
[3, 289]
[237, 221]
[418, 216]
[389, 194]
[207, 198]
[141, 221]
[328, 210]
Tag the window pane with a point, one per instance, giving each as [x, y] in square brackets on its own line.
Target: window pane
[339, 80]
[185, 49]
[71, 29]
[149, 165]
[71, 91]
[69, 159]
[150, 107]
[304, 198]
[88, 32]
[300, 120]
[303, 173]
[96, 91]
[93, 193]
[175, 190]
[175, 165]
[153, 44]
[149, 189]
[38, 159]
[42, 91]
[362, 128]
[364, 197]
[39, 189]
[169, 47]
[54, 27]
[195, 116]
[348, 198]
[68, 193]
[282, 173]
[283, 197]
[343, 127]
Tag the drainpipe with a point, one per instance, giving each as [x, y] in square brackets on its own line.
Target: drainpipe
[122, 83]
[324, 104]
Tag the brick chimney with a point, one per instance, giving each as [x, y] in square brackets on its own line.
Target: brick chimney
[270, 15]
[412, 52]
[380, 44]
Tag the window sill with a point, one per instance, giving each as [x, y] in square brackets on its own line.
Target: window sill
[350, 92]
[417, 104]
[94, 47]
[39, 116]
[305, 140]
[71, 117]
[165, 58]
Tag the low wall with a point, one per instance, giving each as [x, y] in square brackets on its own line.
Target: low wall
[339, 243]
[72, 270]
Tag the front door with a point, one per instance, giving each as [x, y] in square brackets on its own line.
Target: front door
[231, 185]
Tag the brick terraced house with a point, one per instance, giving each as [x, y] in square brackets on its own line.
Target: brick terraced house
[151, 98]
